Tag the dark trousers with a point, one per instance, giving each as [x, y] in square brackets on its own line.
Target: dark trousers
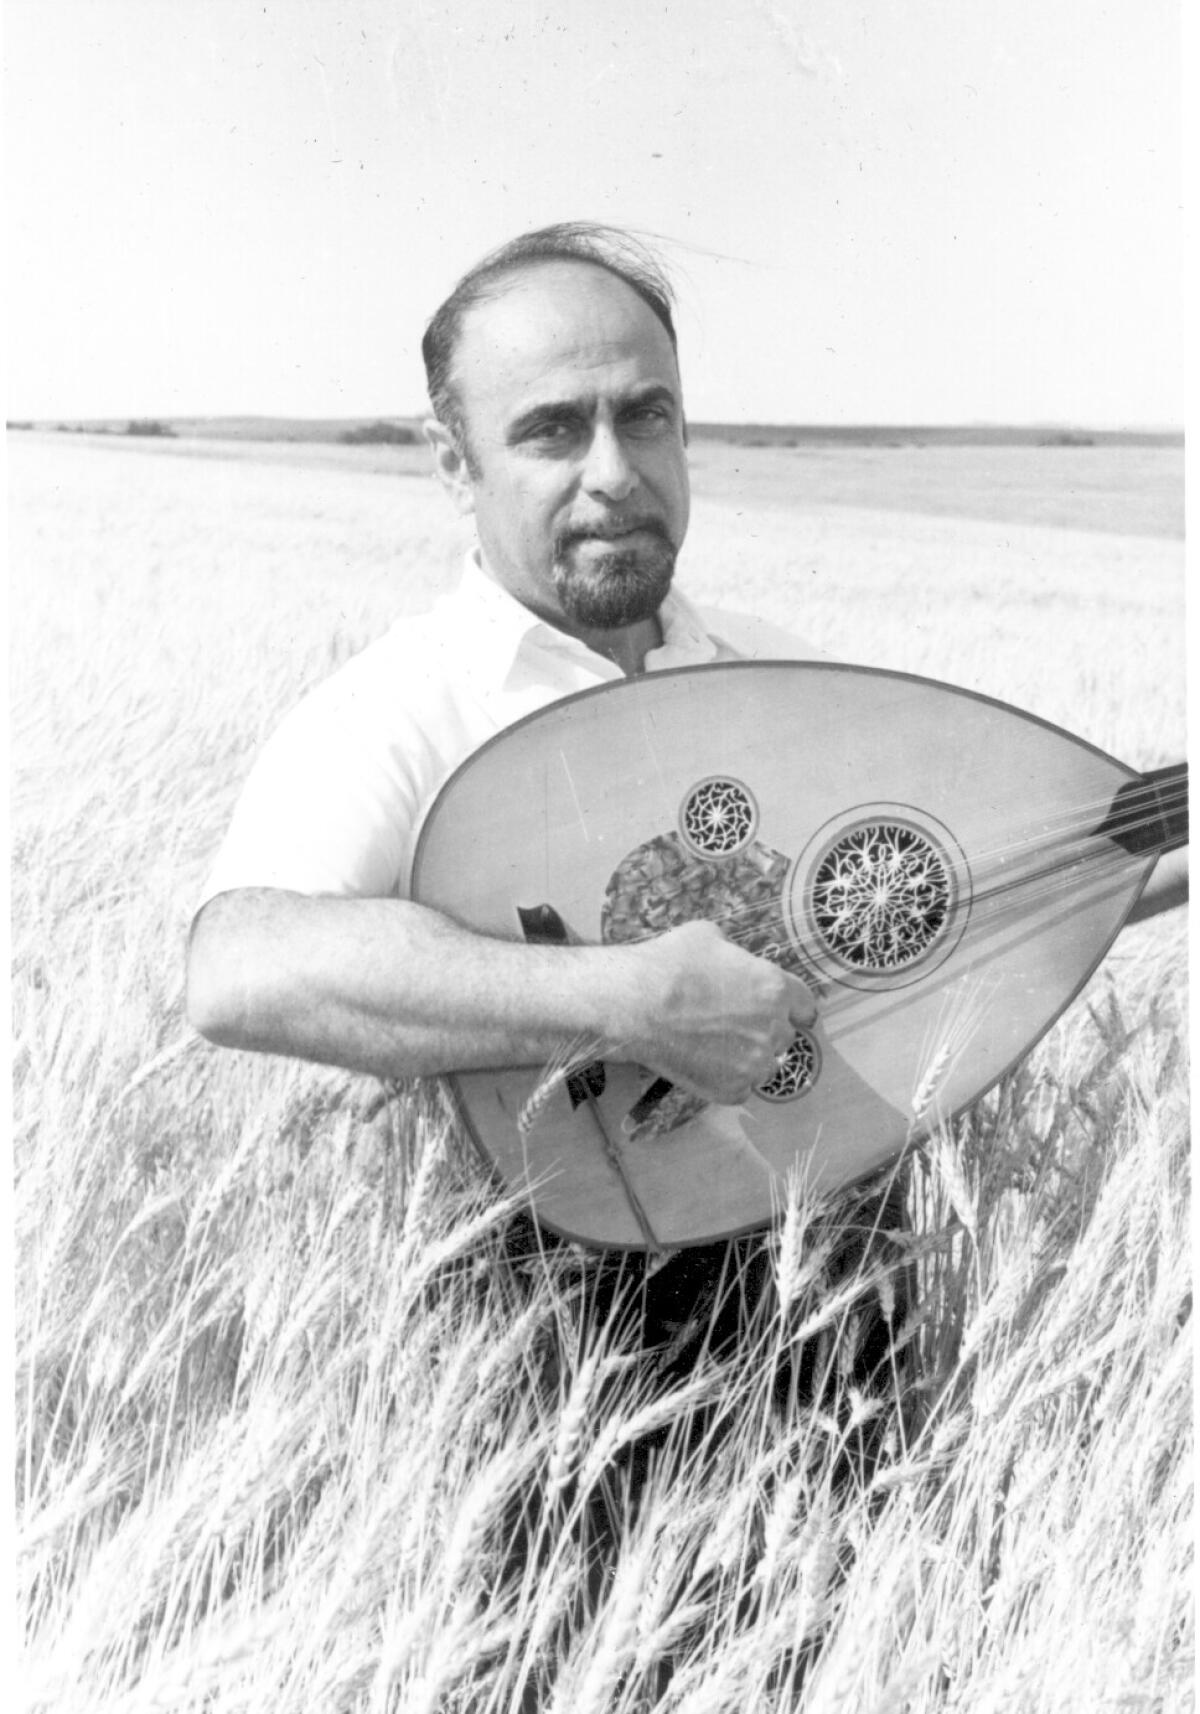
[707, 1301]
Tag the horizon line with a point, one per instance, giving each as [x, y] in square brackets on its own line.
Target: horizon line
[1057, 425]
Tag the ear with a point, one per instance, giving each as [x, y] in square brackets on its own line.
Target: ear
[450, 465]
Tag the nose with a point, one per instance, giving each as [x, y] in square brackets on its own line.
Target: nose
[607, 469]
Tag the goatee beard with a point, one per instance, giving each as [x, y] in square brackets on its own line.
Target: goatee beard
[615, 588]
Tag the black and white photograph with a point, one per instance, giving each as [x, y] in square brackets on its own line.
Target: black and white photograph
[598, 861]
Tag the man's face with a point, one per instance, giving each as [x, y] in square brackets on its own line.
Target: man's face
[574, 418]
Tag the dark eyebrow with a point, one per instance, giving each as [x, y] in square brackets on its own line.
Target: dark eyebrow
[552, 411]
[574, 410]
[657, 393]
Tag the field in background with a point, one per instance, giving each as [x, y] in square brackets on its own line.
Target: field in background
[1124, 483]
[276, 1403]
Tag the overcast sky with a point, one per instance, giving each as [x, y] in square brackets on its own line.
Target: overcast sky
[882, 211]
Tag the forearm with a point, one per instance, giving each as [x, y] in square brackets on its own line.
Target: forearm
[388, 987]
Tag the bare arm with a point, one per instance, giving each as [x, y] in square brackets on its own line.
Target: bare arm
[389, 987]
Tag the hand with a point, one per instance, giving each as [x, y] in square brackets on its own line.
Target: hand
[709, 1015]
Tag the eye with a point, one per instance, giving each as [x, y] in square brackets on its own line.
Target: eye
[647, 419]
[551, 432]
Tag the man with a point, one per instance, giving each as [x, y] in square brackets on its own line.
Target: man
[559, 428]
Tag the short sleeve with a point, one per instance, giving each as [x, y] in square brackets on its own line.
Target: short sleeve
[330, 806]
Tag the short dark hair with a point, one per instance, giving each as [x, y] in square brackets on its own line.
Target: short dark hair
[608, 247]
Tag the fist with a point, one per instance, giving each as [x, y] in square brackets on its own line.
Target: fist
[707, 1014]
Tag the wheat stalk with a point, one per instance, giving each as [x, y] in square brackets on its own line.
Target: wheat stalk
[565, 1455]
[568, 1059]
[209, 1519]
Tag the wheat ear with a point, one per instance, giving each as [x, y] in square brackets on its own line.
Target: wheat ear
[563, 1063]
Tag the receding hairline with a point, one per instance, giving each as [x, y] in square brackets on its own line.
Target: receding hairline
[508, 275]
[508, 284]
[623, 254]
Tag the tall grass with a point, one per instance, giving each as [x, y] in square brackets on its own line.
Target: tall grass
[290, 1437]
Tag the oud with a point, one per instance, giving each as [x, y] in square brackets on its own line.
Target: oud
[943, 870]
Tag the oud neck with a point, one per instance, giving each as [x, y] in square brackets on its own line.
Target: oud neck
[1149, 815]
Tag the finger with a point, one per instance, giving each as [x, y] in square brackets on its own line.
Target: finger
[802, 1008]
[782, 1035]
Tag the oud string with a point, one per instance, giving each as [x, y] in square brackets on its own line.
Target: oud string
[1027, 873]
[1005, 868]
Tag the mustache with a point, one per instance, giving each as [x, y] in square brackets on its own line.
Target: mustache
[611, 532]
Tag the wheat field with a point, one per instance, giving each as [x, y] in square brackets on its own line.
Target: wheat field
[278, 1404]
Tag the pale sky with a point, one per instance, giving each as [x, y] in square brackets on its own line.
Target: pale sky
[889, 211]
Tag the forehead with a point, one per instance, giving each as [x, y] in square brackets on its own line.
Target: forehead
[562, 329]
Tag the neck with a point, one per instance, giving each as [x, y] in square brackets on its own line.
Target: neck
[629, 646]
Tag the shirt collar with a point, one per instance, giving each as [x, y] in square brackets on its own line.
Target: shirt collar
[488, 627]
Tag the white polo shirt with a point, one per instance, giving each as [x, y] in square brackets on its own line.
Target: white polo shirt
[334, 802]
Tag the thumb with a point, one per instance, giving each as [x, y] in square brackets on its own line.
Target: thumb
[802, 1007]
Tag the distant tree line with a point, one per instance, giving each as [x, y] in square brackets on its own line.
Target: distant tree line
[380, 433]
[137, 425]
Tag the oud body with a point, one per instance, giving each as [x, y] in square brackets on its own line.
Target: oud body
[933, 863]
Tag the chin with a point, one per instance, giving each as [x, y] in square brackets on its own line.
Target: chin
[612, 590]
